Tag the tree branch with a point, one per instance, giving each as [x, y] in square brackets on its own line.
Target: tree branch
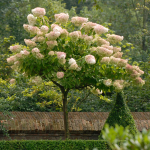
[60, 86]
[83, 99]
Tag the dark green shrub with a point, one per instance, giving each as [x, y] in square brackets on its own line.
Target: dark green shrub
[121, 115]
[54, 145]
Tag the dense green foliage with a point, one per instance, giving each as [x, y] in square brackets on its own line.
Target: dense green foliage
[113, 135]
[24, 96]
[120, 114]
[54, 145]
[78, 6]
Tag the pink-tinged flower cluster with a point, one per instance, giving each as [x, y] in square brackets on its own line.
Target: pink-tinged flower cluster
[138, 81]
[135, 74]
[54, 25]
[88, 26]
[105, 60]
[37, 54]
[60, 75]
[116, 49]
[32, 29]
[15, 48]
[96, 91]
[44, 29]
[88, 39]
[71, 61]
[51, 53]
[35, 50]
[73, 66]
[129, 68]
[101, 51]
[37, 80]
[99, 29]
[38, 12]
[122, 63]
[83, 36]
[25, 26]
[108, 47]
[52, 35]
[31, 19]
[17, 63]
[90, 59]
[118, 85]
[138, 70]
[40, 39]
[107, 82]
[75, 35]
[101, 41]
[18, 56]
[51, 44]
[39, 33]
[30, 43]
[64, 33]
[11, 59]
[114, 38]
[56, 28]
[61, 18]
[61, 55]
[35, 39]
[24, 52]
[12, 81]
[114, 61]
[134, 71]
[118, 54]
[77, 21]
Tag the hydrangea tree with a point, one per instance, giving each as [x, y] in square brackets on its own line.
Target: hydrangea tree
[73, 54]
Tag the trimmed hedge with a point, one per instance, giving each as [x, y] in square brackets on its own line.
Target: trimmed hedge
[54, 145]
[121, 115]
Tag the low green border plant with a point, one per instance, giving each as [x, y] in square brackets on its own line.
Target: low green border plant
[54, 145]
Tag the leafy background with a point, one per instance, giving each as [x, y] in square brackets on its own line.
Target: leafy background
[128, 18]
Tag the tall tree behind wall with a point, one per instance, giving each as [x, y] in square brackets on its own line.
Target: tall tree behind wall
[79, 6]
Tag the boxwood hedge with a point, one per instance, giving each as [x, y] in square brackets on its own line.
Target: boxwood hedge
[54, 145]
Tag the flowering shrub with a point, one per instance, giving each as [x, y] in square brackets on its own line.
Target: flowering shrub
[54, 51]
[73, 54]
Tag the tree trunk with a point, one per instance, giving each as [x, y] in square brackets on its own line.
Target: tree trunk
[65, 111]
[144, 27]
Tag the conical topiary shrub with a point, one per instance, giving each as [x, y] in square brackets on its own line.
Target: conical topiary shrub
[121, 115]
